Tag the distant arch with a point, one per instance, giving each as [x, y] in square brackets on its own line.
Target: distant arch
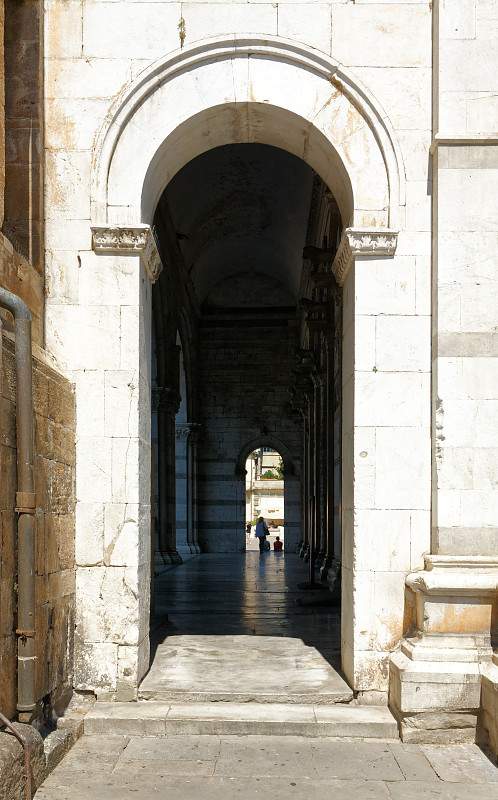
[266, 441]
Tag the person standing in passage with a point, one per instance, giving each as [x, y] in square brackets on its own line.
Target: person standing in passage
[261, 533]
[277, 545]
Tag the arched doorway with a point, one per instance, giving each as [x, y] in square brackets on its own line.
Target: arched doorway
[284, 95]
[268, 469]
[265, 496]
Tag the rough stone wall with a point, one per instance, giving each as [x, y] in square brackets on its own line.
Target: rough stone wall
[54, 484]
[23, 222]
[18, 275]
[244, 381]
[2, 113]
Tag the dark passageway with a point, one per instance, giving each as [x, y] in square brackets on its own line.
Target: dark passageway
[236, 632]
[247, 355]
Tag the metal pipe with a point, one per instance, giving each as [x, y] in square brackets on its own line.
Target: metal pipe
[25, 506]
[26, 746]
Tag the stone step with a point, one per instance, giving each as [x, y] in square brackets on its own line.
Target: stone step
[151, 718]
[306, 697]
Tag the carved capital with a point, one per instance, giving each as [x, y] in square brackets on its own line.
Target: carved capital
[165, 399]
[129, 241]
[362, 242]
[187, 430]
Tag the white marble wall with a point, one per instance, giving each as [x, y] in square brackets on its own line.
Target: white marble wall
[386, 455]
[466, 268]
[97, 328]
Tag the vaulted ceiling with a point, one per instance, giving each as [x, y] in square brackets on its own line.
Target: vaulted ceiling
[240, 213]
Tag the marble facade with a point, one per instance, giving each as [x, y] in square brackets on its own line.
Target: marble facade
[393, 105]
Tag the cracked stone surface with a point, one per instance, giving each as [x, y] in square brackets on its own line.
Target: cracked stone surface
[267, 768]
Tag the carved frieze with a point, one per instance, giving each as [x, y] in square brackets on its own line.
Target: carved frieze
[129, 241]
[362, 242]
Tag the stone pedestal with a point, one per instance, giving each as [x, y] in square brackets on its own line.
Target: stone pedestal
[435, 678]
[488, 718]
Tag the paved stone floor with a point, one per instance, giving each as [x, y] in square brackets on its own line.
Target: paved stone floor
[267, 768]
[236, 632]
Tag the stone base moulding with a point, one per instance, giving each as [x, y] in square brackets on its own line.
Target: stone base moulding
[129, 241]
[435, 678]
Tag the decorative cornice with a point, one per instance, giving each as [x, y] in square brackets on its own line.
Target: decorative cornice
[129, 241]
[362, 242]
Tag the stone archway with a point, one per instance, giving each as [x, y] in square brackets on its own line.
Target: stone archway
[292, 488]
[271, 91]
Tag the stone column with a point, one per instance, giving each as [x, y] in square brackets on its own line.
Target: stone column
[310, 506]
[304, 484]
[193, 517]
[318, 468]
[186, 438]
[329, 458]
[324, 321]
[322, 555]
[182, 432]
[300, 402]
[168, 404]
[335, 410]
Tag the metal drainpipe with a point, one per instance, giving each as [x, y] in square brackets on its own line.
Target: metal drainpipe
[25, 506]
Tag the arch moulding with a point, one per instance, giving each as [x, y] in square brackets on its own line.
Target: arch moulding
[245, 89]
[265, 441]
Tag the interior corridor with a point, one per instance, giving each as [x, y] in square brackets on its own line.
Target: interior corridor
[237, 631]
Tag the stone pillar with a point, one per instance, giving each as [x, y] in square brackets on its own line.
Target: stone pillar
[310, 507]
[318, 378]
[322, 470]
[300, 401]
[304, 483]
[167, 553]
[324, 321]
[385, 449]
[186, 505]
[329, 457]
[182, 432]
[192, 488]
[104, 344]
